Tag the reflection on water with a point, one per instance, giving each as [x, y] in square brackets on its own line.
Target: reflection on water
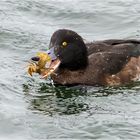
[55, 100]
[51, 100]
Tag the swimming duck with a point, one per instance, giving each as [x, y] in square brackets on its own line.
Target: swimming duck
[108, 62]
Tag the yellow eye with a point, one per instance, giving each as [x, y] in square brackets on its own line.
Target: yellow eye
[64, 44]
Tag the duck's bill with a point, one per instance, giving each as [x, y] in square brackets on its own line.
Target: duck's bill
[54, 64]
[51, 69]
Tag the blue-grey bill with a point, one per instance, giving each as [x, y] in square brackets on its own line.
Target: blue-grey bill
[51, 53]
[55, 62]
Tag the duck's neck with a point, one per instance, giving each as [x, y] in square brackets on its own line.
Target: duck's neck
[74, 66]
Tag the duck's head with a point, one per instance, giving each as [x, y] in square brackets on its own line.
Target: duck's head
[69, 50]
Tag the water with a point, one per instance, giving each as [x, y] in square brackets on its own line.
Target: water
[31, 108]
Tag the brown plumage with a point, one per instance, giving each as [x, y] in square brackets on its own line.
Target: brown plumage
[109, 62]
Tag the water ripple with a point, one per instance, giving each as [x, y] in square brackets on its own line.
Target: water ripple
[37, 109]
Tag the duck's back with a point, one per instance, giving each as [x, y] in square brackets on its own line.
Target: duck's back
[114, 62]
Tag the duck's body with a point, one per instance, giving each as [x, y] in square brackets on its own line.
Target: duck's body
[109, 62]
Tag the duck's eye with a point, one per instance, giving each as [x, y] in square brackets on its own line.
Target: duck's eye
[64, 44]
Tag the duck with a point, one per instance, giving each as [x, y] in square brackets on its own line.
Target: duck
[108, 62]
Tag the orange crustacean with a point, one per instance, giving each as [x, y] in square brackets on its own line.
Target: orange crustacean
[38, 65]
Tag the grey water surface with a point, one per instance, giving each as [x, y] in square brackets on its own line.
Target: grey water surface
[34, 109]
